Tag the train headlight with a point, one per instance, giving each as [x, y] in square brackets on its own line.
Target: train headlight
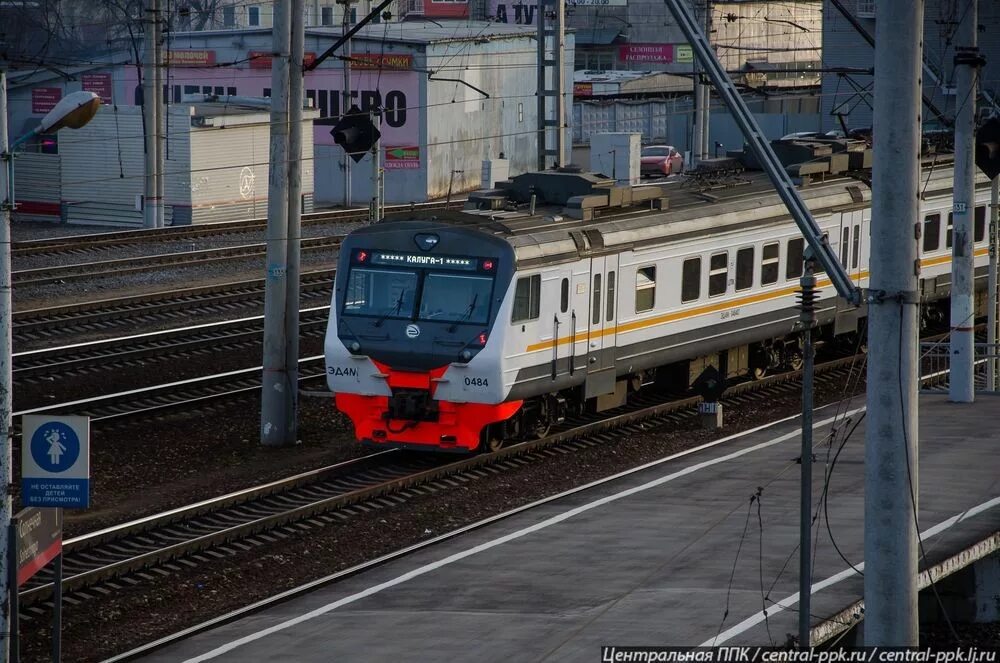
[354, 347]
[465, 355]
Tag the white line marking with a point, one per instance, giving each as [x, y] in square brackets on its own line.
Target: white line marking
[566, 515]
[791, 600]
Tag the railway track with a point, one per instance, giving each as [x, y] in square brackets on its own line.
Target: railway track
[134, 265]
[100, 562]
[81, 245]
[104, 355]
[45, 324]
[193, 393]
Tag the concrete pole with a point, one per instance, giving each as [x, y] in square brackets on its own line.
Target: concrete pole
[375, 206]
[295, 102]
[275, 384]
[992, 317]
[346, 104]
[891, 430]
[158, 111]
[706, 92]
[150, 202]
[961, 387]
[6, 375]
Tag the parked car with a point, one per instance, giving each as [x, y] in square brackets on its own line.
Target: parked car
[660, 160]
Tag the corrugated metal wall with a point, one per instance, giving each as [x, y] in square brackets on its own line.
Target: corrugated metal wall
[102, 168]
[669, 120]
[211, 173]
[37, 187]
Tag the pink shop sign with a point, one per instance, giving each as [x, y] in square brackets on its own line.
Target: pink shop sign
[661, 53]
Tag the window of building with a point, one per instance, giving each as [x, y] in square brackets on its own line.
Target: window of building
[610, 297]
[253, 16]
[769, 264]
[718, 274]
[564, 296]
[229, 17]
[645, 288]
[980, 229]
[326, 16]
[527, 298]
[793, 266]
[744, 268]
[856, 247]
[932, 232]
[595, 316]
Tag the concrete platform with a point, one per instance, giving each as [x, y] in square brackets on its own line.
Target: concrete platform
[643, 560]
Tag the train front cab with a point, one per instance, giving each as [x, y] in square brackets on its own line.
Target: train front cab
[409, 349]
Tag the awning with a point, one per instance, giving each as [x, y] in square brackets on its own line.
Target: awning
[597, 36]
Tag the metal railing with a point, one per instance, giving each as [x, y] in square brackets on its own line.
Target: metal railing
[935, 365]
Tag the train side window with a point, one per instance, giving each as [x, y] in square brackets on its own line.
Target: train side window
[980, 232]
[932, 232]
[610, 304]
[645, 288]
[595, 317]
[769, 264]
[845, 242]
[951, 229]
[793, 266]
[691, 280]
[856, 247]
[527, 298]
[564, 296]
[744, 268]
[718, 274]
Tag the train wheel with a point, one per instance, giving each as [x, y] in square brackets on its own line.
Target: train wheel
[796, 360]
[492, 439]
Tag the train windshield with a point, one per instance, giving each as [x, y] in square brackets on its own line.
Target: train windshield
[456, 298]
[387, 293]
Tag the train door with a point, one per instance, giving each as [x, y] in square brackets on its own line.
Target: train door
[601, 324]
[852, 243]
[578, 324]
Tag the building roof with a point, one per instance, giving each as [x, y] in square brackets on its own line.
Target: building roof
[415, 32]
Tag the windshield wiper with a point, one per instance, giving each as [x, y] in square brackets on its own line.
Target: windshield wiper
[398, 307]
[466, 315]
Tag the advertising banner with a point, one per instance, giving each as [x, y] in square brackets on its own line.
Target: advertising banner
[200, 58]
[44, 99]
[99, 84]
[402, 158]
[397, 92]
[658, 53]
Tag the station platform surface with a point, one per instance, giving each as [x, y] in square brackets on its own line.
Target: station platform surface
[656, 557]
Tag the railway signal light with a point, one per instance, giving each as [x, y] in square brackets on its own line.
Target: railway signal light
[988, 148]
[356, 133]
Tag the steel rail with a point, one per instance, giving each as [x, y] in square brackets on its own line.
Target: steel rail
[106, 353]
[51, 321]
[137, 265]
[199, 539]
[118, 238]
[144, 400]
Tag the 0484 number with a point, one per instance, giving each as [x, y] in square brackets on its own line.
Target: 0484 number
[476, 382]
